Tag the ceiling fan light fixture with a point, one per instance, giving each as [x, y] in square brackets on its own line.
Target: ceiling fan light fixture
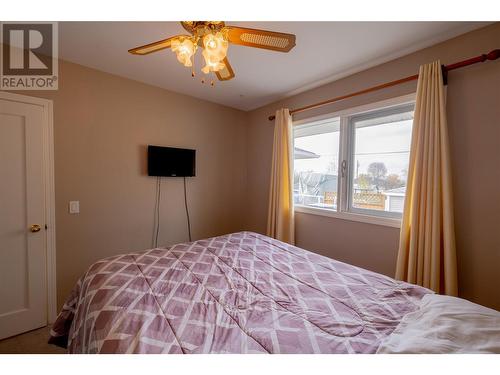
[214, 38]
[184, 49]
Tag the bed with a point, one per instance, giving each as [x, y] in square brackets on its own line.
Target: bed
[237, 293]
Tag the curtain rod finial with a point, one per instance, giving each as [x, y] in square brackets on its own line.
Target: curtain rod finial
[493, 55]
[271, 118]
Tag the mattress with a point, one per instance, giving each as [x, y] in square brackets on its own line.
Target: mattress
[237, 293]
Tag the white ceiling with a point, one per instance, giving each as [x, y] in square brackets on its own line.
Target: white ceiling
[325, 51]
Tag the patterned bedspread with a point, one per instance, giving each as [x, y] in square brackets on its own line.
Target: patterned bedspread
[238, 293]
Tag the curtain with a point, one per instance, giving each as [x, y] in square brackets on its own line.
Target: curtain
[426, 253]
[280, 221]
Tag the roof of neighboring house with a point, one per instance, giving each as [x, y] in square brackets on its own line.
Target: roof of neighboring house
[300, 153]
[318, 182]
[397, 191]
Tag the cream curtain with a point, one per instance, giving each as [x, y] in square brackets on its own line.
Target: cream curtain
[427, 254]
[280, 221]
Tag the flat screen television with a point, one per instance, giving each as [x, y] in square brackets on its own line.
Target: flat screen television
[171, 162]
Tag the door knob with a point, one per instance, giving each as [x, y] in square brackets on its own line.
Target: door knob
[35, 228]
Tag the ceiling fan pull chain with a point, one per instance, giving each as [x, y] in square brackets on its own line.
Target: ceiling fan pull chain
[193, 74]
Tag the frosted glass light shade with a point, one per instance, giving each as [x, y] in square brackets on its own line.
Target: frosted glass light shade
[214, 52]
[184, 49]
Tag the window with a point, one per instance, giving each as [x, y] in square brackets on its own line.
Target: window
[355, 164]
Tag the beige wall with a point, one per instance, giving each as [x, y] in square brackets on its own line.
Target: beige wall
[474, 125]
[102, 124]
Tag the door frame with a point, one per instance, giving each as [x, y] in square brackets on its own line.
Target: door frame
[49, 193]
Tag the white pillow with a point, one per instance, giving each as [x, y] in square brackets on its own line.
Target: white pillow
[445, 324]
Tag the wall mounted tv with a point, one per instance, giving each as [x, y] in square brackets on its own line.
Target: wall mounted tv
[171, 162]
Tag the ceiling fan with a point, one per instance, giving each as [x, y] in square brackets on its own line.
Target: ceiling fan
[214, 37]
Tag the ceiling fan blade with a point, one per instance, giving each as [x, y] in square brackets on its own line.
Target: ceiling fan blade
[281, 42]
[227, 73]
[155, 46]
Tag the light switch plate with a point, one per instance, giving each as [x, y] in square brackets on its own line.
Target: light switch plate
[74, 207]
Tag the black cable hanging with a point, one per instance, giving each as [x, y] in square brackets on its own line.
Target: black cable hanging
[154, 214]
[157, 208]
[187, 210]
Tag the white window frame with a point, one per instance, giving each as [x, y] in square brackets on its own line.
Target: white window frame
[344, 209]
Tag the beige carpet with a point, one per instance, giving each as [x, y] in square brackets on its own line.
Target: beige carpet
[33, 342]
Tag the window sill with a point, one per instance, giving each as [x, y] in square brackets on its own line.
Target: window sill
[376, 220]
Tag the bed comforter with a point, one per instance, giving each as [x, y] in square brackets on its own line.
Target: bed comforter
[238, 293]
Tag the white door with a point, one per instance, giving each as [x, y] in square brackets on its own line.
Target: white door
[23, 265]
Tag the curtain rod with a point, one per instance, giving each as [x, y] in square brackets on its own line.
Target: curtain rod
[493, 55]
